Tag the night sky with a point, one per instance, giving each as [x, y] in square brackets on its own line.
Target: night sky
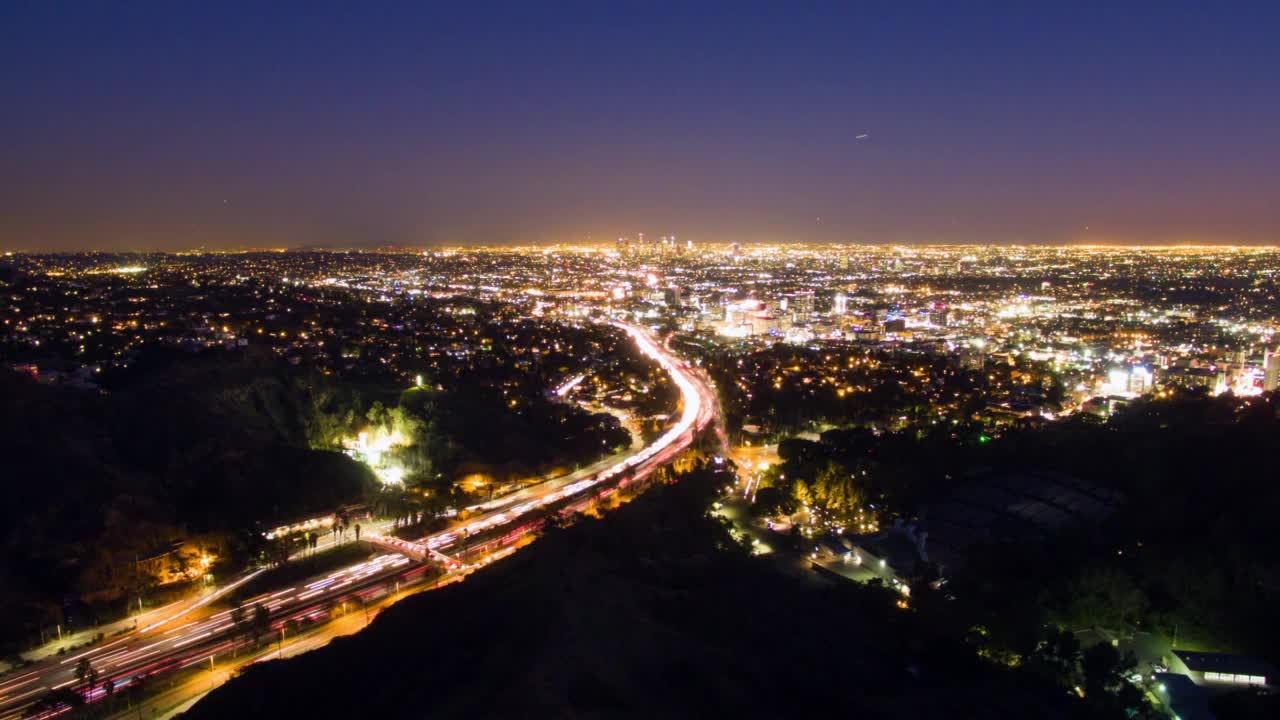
[171, 125]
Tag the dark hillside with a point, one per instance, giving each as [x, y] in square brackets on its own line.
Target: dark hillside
[92, 481]
[650, 612]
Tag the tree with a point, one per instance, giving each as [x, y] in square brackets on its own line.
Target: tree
[835, 491]
[1105, 688]
[772, 501]
[179, 564]
[259, 623]
[85, 672]
[276, 551]
[801, 493]
[799, 450]
[1057, 657]
[237, 626]
[1105, 597]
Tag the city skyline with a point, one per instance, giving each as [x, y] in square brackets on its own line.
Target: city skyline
[907, 359]
[285, 448]
[161, 128]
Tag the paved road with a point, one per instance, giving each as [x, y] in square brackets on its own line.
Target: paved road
[191, 635]
[698, 409]
[179, 645]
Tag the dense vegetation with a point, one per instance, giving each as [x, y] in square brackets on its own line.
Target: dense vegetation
[653, 611]
[502, 424]
[93, 482]
[493, 415]
[213, 446]
[1188, 554]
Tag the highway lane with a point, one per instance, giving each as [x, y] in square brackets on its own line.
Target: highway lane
[170, 645]
[159, 616]
[511, 500]
[698, 409]
[158, 650]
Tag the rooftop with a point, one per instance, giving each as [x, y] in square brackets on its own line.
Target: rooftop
[1225, 663]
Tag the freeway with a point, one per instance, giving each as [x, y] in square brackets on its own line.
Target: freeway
[154, 651]
[697, 411]
[168, 646]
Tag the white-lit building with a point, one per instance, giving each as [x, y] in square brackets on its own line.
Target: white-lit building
[1224, 670]
[1139, 380]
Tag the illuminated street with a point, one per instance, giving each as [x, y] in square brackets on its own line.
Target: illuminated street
[724, 359]
[183, 637]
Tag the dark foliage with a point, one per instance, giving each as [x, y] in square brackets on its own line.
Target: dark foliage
[1189, 553]
[93, 481]
[653, 611]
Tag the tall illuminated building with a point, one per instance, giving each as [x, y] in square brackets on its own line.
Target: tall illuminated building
[1271, 368]
[1139, 380]
[801, 305]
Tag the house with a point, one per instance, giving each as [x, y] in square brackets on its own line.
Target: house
[829, 547]
[899, 549]
[1223, 670]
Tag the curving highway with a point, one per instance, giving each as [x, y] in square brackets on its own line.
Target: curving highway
[170, 645]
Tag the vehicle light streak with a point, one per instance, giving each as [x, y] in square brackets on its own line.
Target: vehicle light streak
[207, 599]
[152, 650]
[193, 639]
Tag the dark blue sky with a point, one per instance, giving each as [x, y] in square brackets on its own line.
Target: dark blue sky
[178, 124]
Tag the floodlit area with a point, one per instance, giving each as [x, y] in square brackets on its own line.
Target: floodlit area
[374, 447]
